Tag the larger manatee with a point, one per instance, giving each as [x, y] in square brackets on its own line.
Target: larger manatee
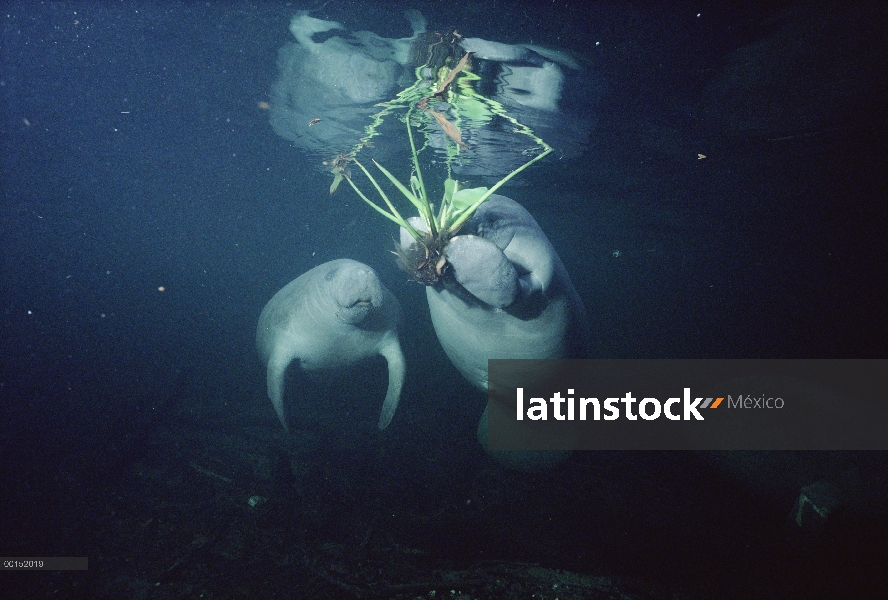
[505, 294]
[334, 315]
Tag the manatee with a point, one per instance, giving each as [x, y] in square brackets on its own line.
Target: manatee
[505, 294]
[336, 314]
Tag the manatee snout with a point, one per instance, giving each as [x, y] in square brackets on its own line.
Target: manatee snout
[363, 288]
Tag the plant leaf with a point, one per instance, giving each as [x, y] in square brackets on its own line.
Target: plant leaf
[393, 216]
[336, 181]
[402, 188]
[378, 208]
[463, 199]
[449, 128]
[451, 186]
[454, 72]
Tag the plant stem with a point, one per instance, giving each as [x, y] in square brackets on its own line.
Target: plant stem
[471, 210]
[429, 215]
[394, 215]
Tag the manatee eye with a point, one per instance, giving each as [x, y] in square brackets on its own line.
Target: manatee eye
[331, 274]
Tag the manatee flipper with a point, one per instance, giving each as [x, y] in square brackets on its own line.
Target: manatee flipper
[397, 369]
[277, 368]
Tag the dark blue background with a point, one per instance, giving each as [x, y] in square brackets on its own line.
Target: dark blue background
[134, 156]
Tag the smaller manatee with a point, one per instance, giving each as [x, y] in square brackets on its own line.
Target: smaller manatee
[334, 315]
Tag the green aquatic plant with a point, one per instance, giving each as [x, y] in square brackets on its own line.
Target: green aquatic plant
[425, 260]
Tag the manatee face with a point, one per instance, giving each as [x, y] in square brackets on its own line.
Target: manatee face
[355, 290]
